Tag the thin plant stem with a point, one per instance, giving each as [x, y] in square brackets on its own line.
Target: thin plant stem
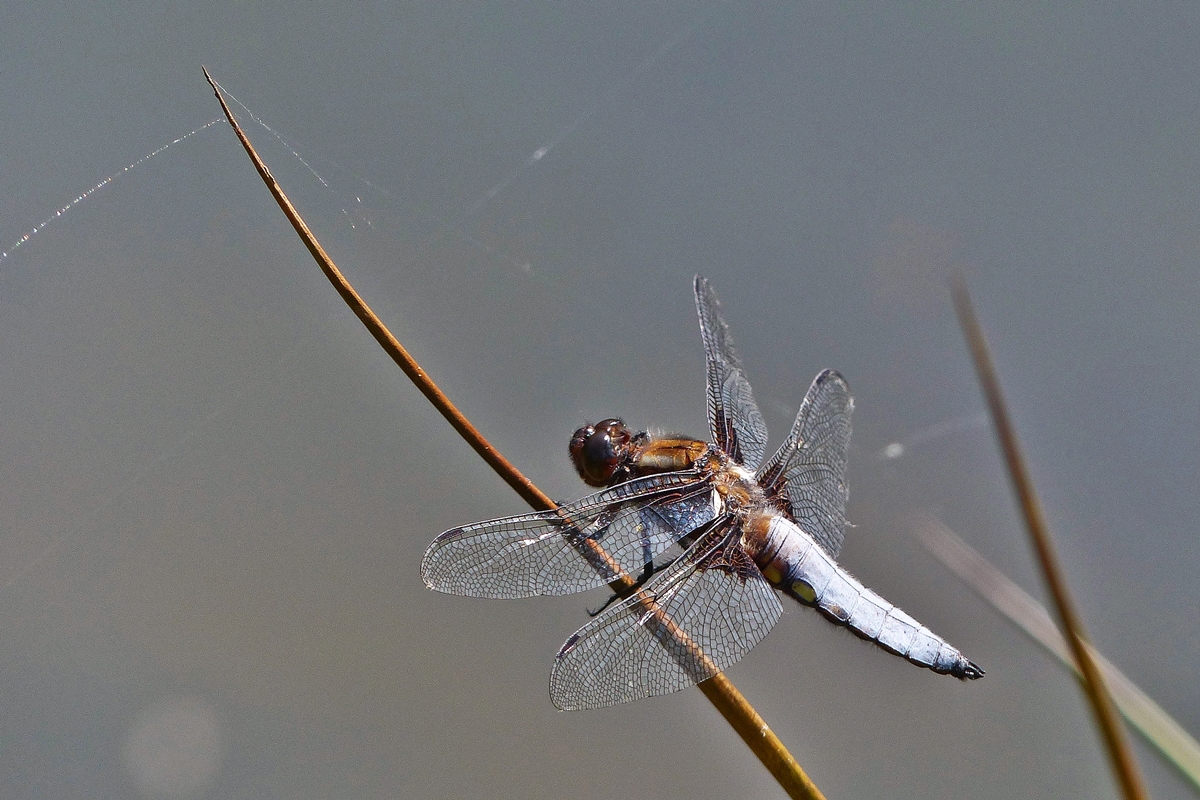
[718, 689]
[1169, 737]
[1124, 766]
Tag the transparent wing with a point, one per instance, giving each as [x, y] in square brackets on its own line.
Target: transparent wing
[548, 553]
[690, 622]
[733, 417]
[808, 471]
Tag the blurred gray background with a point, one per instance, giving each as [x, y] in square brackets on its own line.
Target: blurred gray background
[215, 489]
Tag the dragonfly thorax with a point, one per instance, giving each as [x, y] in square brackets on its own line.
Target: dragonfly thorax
[735, 486]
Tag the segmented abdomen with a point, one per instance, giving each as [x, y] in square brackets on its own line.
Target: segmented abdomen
[799, 567]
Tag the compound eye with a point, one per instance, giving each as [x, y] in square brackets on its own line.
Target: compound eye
[599, 450]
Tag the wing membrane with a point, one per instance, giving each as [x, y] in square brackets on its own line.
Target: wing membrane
[542, 553]
[713, 595]
[734, 420]
[808, 471]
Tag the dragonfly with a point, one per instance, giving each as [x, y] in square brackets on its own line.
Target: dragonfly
[745, 531]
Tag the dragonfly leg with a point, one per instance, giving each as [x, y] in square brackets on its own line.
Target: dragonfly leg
[647, 572]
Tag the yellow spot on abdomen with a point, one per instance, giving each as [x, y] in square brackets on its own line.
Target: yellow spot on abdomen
[804, 591]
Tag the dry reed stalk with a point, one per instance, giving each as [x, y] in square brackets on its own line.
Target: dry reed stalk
[1124, 766]
[719, 690]
[1169, 737]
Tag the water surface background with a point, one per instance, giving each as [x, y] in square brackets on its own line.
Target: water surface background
[215, 489]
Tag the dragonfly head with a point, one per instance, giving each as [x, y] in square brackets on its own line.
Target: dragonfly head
[602, 452]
